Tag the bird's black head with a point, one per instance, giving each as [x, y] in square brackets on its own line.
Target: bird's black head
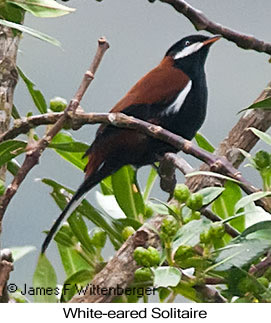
[190, 53]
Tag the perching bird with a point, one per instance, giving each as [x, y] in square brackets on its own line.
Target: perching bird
[173, 95]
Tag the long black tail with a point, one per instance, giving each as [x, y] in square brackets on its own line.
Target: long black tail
[87, 185]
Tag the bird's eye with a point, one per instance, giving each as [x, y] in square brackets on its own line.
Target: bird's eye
[187, 43]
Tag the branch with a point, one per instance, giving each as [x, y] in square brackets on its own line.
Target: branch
[260, 268]
[216, 163]
[201, 22]
[9, 42]
[34, 152]
[6, 267]
[120, 270]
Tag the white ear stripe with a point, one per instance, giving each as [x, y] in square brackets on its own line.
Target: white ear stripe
[189, 50]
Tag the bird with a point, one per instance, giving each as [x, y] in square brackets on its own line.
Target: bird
[172, 95]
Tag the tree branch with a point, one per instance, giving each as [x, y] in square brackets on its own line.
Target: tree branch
[9, 76]
[34, 152]
[6, 266]
[201, 22]
[216, 163]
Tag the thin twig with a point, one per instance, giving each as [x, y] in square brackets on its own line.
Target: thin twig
[260, 268]
[34, 153]
[201, 22]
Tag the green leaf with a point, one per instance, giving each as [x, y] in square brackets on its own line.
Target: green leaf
[122, 223]
[74, 283]
[250, 198]
[72, 146]
[20, 252]
[15, 114]
[166, 276]
[150, 182]
[240, 254]
[106, 186]
[42, 8]
[255, 214]
[45, 277]
[204, 143]
[248, 157]
[72, 260]
[185, 289]
[11, 13]
[207, 173]
[127, 192]
[109, 204]
[160, 208]
[30, 31]
[60, 194]
[257, 227]
[36, 95]
[264, 104]
[244, 249]
[210, 194]
[262, 135]
[80, 230]
[189, 234]
[224, 205]
[69, 149]
[10, 149]
[65, 236]
[164, 293]
[13, 167]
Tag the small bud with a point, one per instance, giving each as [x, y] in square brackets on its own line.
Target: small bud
[217, 230]
[183, 252]
[205, 237]
[141, 256]
[169, 227]
[262, 159]
[58, 104]
[154, 256]
[127, 232]
[195, 215]
[195, 201]
[148, 212]
[98, 237]
[264, 281]
[181, 193]
[143, 274]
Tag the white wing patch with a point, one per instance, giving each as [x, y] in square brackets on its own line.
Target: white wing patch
[177, 104]
[189, 50]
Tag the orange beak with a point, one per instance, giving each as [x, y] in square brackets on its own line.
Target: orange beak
[211, 40]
